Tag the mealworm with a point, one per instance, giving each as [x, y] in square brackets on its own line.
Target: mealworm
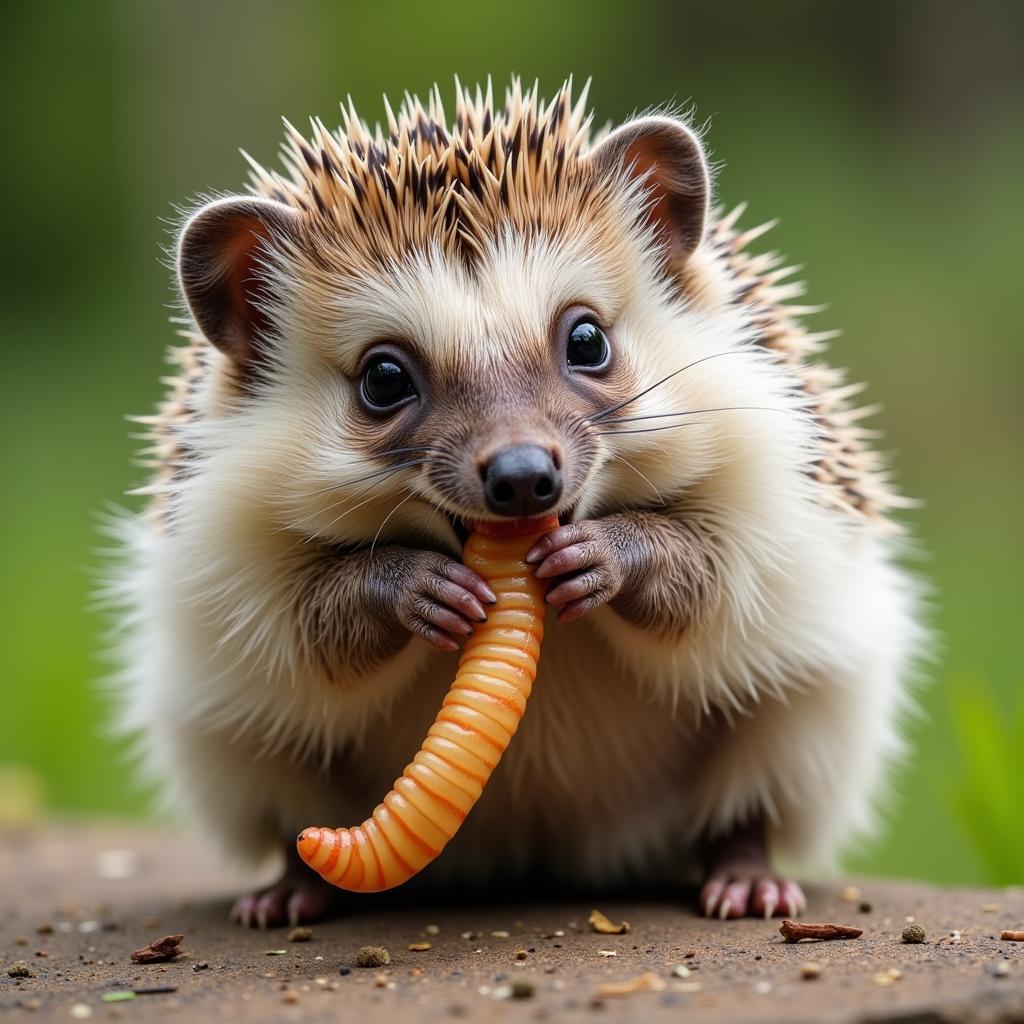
[477, 720]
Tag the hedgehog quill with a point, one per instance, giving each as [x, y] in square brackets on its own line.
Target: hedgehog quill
[439, 323]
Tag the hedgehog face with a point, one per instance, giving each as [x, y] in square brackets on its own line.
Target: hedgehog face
[444, 327]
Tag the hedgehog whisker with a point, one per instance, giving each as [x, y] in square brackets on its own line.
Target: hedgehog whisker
[369, 476]
[646, 430]
[373, 543]
[377, 472]
[692, 412]
[381, 476]
[646, 480]
[675, 373]
[352, 508]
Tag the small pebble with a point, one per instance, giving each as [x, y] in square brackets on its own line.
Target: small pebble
[343, 971]
[20, 969]
[889, 977]
[201, 966]
[850, 894]
[275, 952]
[810, 970]
[432, 929]
[418, 947]
[499, 935]
[680, 971]
[80, 1011]
[913, 933]
[523, 988]
[521, 954]
[291, 997]
[865, 906]
[300, 934]
[45, 928]
[762, 988]
[1001, 969]
[373, 956]
[32, 1004]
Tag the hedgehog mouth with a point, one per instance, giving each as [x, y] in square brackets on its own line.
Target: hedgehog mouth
[462, 527]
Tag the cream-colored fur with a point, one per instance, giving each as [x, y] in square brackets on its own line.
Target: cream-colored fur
[783, 699]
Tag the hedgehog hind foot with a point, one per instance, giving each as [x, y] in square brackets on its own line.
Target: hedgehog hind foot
[745, 890]
[739, 880]
[298, 897]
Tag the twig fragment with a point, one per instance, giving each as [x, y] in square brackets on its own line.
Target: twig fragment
[794, 931]
[159, 950]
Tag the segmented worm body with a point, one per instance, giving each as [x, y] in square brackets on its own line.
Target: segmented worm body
[477, 720]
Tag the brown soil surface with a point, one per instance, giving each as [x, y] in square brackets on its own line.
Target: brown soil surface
[107, 891]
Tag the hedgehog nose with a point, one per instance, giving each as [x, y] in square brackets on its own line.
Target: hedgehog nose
[522, 480]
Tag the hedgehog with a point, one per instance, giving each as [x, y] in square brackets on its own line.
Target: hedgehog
[431, 323]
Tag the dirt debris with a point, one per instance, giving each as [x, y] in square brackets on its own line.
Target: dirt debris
[794, 931]
[603, 926]
[372, 956]
[159, 951]
[646, 982]
[740, 970]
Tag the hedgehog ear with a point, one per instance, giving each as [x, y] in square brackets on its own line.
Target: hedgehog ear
[670, 159]
[221, 253]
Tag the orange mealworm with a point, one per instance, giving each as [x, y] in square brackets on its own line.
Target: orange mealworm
[480, 713]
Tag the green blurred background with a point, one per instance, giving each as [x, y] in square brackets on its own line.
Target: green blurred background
[887, 136]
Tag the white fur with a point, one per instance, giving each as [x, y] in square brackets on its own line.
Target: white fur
[785, 700]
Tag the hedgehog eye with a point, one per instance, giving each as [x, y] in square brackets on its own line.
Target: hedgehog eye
[386, 383]
[587, 346]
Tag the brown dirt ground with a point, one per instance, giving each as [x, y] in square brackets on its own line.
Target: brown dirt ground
[66, 878]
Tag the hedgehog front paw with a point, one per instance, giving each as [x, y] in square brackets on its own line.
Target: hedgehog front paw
[435, 598]
[584, 555]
